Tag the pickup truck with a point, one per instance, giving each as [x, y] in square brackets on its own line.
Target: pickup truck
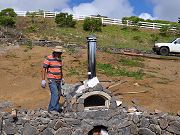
[166, 48]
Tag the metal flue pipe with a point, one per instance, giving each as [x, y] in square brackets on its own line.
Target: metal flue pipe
[91, 40]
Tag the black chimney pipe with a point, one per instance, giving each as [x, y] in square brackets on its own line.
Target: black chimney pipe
[91, 56]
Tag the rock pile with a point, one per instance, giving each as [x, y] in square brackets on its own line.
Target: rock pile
[116, 120]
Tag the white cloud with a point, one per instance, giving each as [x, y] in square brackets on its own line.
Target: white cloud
[28, 5]
[167, 9]
[110, 8]
[147, 16]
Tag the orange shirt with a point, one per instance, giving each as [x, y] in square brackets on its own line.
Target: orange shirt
[54, 68]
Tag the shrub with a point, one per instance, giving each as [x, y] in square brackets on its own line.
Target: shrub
[65, 20]
[125, 28]
[7, 21]
[154, 38]
[133, 19]
[164, 30]
[92, 24]
[7, 17]
[135, 28]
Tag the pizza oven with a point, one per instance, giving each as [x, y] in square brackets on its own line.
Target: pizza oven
[90, 95]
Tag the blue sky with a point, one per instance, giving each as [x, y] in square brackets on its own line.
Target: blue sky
[147, 9]
[139, 7]
[144, 6]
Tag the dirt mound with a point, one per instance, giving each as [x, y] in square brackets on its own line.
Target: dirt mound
[20, 77]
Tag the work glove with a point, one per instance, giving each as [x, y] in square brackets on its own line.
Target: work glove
[43, 83]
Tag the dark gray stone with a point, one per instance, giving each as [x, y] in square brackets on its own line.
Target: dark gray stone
[134, 129]
[113, 105]
[72, 121]
[145, 131]
[64, 131]
[155, 128]
[21, 121]
[174, 127]
[69, 107]
[163, 123]
[68, 98]
[52, 123]
[1, 121]
[80, 107]
[124, 124]
[41, 127]
[144, 122]
[48, 131]
[9, 128]
[81, 100]
[154, 120]
[5, 104]
[35, 123]
[78, 132]
[59, 124]
[29, 130]
[98, 87]
[136, 119]
[79, 95]
[126, 131]
[166, 133]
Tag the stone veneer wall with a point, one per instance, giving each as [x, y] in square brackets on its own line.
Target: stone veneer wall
[74, 120]
[117, 121]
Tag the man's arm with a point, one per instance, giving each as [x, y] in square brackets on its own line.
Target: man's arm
[44, 71]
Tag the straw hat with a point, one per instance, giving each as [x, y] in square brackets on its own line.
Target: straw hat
[58, 49]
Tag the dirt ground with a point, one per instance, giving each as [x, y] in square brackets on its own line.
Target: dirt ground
[20, 79]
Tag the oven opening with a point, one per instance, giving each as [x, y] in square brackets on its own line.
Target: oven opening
[94, 101]
[99, 130]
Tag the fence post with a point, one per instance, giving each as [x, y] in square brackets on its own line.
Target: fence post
[44, 14]
[153, 26]
[102, 19]
[127, 22]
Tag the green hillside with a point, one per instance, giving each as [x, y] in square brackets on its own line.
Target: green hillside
[111, 35]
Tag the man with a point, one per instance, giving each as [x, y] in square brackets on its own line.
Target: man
[53, 67]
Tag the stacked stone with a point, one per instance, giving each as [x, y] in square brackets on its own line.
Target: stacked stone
[77, 121]
[75, 103]
[117, 122]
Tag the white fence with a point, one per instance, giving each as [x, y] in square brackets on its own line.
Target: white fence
[105, 21]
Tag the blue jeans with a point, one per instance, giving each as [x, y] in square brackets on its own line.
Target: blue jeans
[55, 89]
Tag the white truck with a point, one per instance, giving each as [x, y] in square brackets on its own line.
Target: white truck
[166, 48]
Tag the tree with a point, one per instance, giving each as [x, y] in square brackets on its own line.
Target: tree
[92, 24]
[7, 17]
[65, 20]
[8, 12]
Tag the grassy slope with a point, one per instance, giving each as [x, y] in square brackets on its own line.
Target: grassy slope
[111, 36]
